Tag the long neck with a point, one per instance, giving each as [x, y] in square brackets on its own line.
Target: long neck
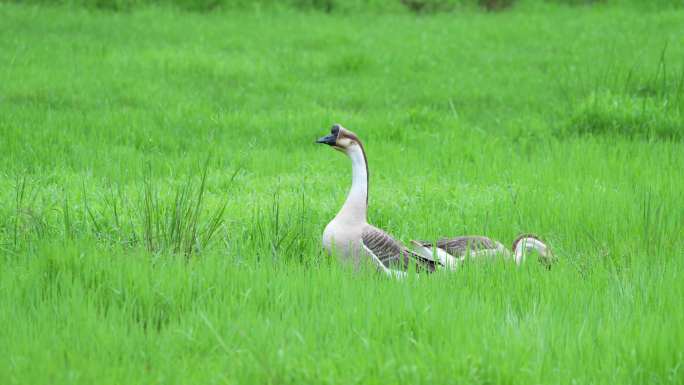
[528, 244]
[355, 208]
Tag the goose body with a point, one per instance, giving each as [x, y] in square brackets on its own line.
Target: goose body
[452, 252]
[349, 236]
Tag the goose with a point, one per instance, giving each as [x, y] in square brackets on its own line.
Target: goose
[452, 252]
[349, 236]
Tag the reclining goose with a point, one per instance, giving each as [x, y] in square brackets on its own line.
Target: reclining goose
[348, 235]
[452, 252]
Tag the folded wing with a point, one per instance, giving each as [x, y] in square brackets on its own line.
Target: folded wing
[462, 246]
[392, 255]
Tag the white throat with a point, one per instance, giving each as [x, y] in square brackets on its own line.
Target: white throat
[356, 206]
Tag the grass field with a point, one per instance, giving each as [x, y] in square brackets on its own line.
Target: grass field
[163, 199]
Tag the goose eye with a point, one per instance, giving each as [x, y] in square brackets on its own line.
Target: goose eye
[335, 129]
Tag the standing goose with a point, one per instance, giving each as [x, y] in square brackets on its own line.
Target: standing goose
[452, 252]
[348, 235]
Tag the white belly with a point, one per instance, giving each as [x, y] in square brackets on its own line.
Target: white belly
[343, 240]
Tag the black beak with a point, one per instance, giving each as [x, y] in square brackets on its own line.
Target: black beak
[329, 140]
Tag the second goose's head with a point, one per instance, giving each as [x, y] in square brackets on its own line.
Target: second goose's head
[341, 139]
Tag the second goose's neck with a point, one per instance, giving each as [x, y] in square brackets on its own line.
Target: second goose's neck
[356, 206]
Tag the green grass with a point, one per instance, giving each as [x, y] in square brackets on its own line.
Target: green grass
[351, 6]
[121, 263]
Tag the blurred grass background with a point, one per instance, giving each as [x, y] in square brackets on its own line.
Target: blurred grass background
[346, 6]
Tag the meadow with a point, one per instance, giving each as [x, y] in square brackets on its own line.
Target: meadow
[163, 199]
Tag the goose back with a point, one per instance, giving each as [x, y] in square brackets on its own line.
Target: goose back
[461, 246]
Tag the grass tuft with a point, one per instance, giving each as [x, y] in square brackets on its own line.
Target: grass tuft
[633, 104]
[176, 220]
[605, 113]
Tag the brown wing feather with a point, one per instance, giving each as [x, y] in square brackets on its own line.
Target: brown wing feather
[460, 246]
[392, 253]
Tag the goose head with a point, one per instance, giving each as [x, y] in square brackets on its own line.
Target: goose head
[341, 139]
[347, 142]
